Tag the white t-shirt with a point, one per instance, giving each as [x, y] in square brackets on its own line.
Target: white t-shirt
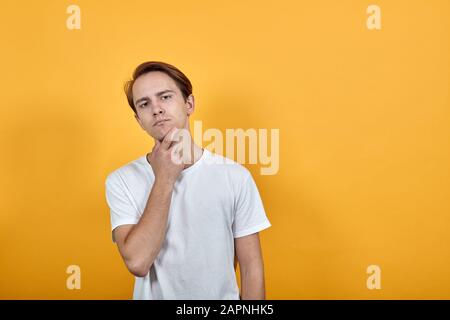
[213, 201]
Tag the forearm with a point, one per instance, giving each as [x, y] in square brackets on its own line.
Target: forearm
[252, 283]
[144, 241]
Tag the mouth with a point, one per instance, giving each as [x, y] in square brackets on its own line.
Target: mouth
[160, 122]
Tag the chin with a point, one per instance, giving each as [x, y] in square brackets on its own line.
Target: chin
[156, 135]
[159, 135]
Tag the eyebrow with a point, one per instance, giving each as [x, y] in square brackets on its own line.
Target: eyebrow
[158, 94]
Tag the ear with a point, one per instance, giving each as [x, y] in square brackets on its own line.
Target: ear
[139, 121]
[190, 105]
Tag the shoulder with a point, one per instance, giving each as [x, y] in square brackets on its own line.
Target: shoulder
[234, 171]
[128, 170]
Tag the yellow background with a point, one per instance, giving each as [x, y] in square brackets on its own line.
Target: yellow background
[364, 136]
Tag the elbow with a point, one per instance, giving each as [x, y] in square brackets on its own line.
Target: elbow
[138, 268]
[139, 272]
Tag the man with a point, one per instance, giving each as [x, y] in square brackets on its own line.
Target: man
[181, 225]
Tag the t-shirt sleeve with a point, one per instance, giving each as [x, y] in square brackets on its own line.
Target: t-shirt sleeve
[250, 216]
[122, 210]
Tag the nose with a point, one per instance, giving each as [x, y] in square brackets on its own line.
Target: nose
[158, 110]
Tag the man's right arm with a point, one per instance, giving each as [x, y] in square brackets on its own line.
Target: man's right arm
[140, 243]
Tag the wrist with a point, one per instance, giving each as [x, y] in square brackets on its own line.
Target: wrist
[164, 182]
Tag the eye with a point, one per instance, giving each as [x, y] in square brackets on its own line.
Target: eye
[143, 104]
[166, 97]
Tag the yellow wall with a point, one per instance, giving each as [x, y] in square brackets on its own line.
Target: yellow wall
[364, 136]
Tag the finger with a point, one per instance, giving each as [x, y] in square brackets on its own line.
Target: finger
[175, 147]
[175, 151]
[157, 144]
[168, 138]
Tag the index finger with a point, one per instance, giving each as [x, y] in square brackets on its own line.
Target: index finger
[157, 144]
[165, 144]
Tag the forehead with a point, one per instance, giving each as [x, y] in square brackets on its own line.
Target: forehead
[151, 83]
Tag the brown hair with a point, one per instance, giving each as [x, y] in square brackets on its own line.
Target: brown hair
[180, 79]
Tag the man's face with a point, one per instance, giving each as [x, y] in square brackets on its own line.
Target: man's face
[156, 97]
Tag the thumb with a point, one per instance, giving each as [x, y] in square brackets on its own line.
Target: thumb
[157, 144]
